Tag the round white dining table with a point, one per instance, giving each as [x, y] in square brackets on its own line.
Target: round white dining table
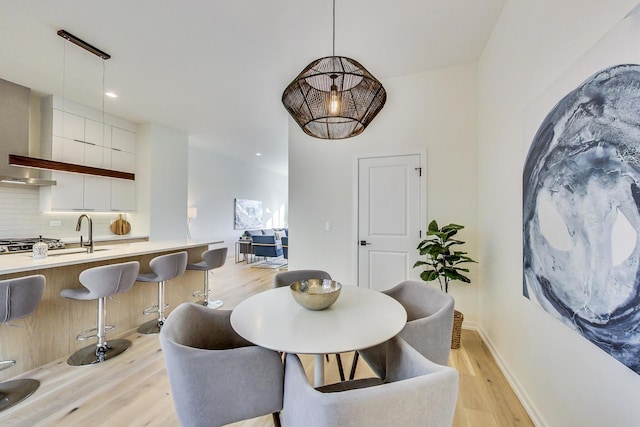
[359, 319]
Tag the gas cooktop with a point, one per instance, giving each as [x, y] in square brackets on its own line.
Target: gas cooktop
[25, 245]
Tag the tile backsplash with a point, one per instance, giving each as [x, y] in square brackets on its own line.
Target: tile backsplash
[20, 217]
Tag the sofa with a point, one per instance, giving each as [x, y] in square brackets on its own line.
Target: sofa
[278, 232]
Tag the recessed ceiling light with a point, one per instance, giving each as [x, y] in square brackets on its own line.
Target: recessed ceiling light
[111, 94]
[258, 154]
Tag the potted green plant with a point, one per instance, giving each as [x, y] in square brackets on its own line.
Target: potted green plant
[443, 262]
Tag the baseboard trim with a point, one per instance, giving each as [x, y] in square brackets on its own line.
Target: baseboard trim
[471, 326]
[520, 392]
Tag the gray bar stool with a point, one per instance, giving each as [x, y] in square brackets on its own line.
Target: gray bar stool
[100, 283]
[164, 267]
[18, 298]
[211, 259]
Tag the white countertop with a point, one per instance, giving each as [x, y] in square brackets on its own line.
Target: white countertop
[109, 238]
[15, 263]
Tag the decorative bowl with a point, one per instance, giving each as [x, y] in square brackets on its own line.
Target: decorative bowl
[315, 294]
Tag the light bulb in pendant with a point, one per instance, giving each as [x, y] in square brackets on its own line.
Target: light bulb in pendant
[334, 101]
[334, 98]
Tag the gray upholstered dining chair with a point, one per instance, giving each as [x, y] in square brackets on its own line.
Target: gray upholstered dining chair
[415, 392]
[428, 329]
[216, 376]
[288, 277]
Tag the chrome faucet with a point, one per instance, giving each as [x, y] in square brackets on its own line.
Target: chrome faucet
[89, 243]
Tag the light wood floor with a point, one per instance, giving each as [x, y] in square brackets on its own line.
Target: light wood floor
[133, 389]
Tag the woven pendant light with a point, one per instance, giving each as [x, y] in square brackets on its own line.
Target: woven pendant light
[334, 97]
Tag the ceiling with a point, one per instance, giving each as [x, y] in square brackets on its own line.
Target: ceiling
[215, 70]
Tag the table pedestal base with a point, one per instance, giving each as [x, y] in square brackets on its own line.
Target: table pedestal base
[318, 370]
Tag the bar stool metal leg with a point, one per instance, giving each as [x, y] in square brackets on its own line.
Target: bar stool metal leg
[154, 326]
[13, 392]
[101, 345]
[101, 351]
[211, 304]
[205, 293]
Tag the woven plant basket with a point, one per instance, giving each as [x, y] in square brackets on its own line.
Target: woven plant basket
[457, 329]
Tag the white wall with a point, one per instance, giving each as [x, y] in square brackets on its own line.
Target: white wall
[564, 379]
[140, 218]
[436, 111]
[215, 181]
[162, 156]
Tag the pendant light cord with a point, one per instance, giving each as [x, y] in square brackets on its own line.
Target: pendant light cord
[334, 28]
[64, 79]
[103, 68]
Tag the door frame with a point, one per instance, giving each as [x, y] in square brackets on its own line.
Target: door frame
[355, 198]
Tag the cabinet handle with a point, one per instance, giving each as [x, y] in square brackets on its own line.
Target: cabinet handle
[84, 142]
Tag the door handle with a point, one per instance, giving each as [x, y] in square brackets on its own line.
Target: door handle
[364, 243]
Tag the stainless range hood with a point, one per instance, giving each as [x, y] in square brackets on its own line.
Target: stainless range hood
[14, 135]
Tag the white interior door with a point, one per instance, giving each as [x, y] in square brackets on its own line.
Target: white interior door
[389, 219]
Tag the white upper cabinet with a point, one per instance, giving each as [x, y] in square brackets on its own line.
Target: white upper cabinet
[67, 125]
[66, 195]
[67, 150]
[96, 193]
[93, 132]
[106, 135]
[123, 140]
[123, 148]
[123, 195]
[94, 156]
[78, 136]
[123, 161]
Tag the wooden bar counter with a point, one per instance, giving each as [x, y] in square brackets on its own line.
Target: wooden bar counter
[50, 332]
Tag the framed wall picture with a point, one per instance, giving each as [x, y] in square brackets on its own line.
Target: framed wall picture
[248, 214]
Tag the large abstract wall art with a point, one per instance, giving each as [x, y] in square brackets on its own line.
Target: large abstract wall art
[581, 212]
[247, 214]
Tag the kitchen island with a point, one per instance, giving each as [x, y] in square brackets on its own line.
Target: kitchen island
[50, 332]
